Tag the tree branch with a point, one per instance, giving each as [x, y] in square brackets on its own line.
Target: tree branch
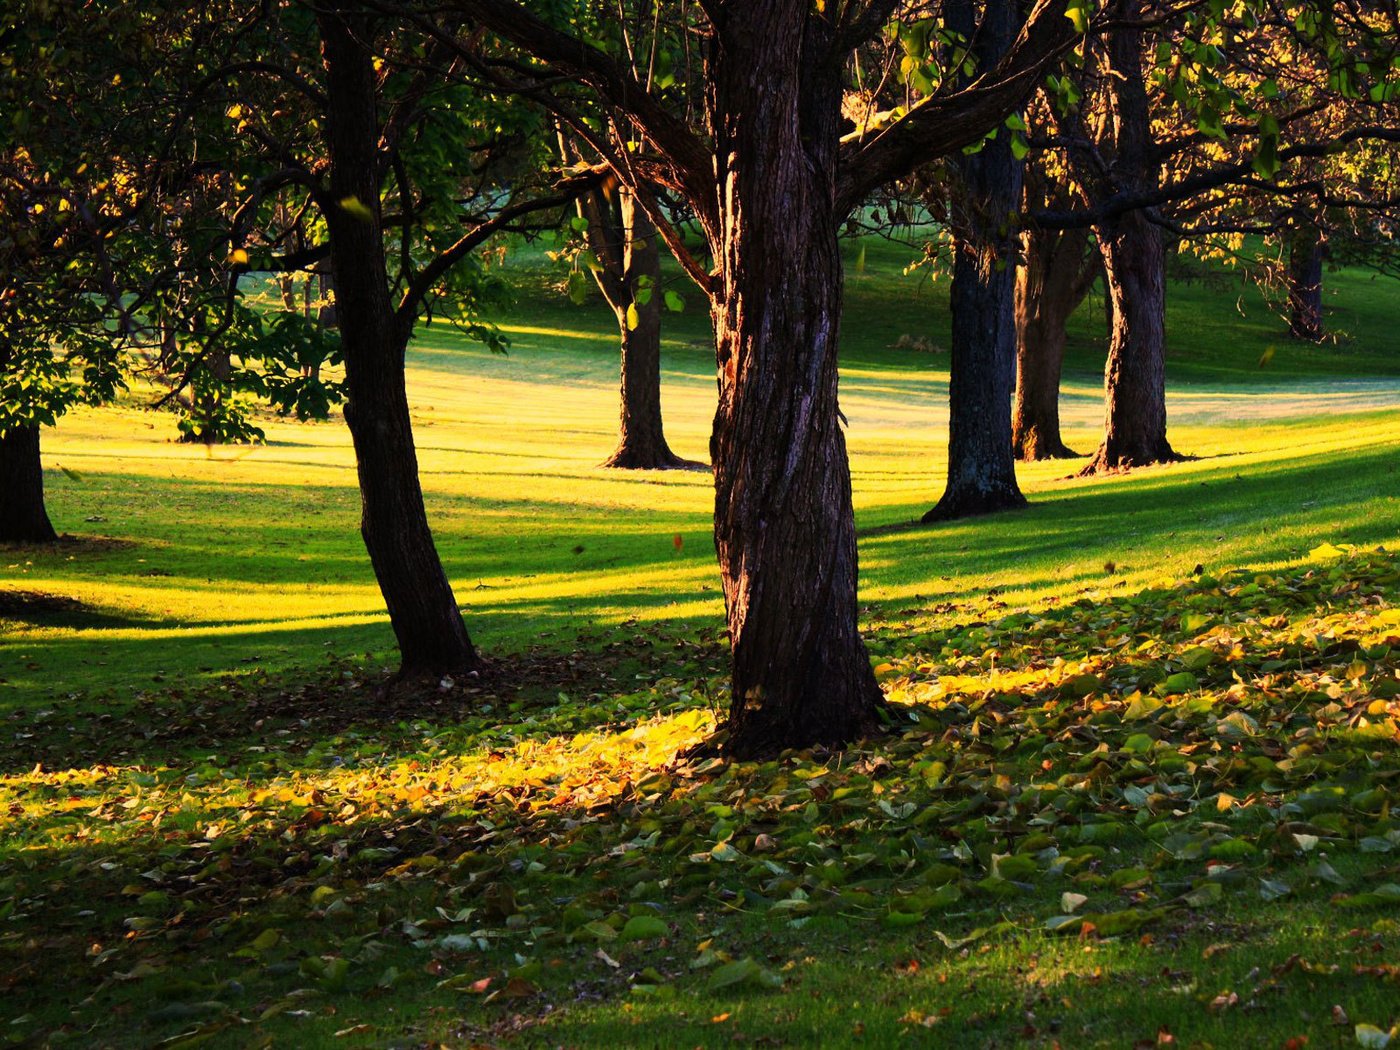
[941, 124]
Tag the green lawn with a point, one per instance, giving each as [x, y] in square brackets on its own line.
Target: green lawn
[1169, 694]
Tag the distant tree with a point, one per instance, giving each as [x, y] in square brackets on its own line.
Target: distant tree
[1057, 269]
[1181, 113]
[69, 191]
[622, 251]
[625, 243]
[985, 199]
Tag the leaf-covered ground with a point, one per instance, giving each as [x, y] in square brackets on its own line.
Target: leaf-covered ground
[1162, 818]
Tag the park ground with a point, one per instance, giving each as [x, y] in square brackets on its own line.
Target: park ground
[1138, 790]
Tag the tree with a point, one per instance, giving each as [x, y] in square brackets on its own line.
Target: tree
[771, 179]
[624, 244]
[1056, 271]
[1058, 267]
[986, 197]
[1134, 262]
[362, 152]
[1218, 68]
[115, 243]
[302, 129]
[66, 198]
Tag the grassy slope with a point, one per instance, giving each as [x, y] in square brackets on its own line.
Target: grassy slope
[150, 884]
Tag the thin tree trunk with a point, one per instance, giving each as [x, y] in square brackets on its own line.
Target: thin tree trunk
[326, 314]
[23, 518]
[1050, 284]
[1135, 391]
[320, 292]
[207, 400]
[982, 367]
[627, 247]
[422, 609]
[784, 523]
[1306, 249]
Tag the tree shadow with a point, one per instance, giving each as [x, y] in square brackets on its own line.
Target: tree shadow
[40, 609]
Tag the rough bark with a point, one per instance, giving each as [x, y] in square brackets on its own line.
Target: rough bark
[1054, 276]
[422, 608]
[23, 517]
[981, 463]
[1135, 394]
[784, 523]
[625, 243]
[1306, 250]
[1135, 376]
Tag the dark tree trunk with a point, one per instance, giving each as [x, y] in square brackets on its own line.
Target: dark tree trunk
[1135, 377]
[1135, 390]
[23, 518]
[626, 245]
[1053, 279]
[784, 524]
[422, 609]
[982, 368]
[1306, 250]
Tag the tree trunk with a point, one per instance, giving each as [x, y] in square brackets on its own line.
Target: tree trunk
[1135, 390]
[1306, 249]
[1135, 376]
[422, 609]
[784, 523]
[326, 313]
[981, 464]
[23, 518]
[207, 400]
[1050, 284]
[626, 245]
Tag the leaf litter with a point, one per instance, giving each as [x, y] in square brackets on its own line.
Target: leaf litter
[1104, 769]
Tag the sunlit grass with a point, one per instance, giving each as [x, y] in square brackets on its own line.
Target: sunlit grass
[212, 829]
[232, 555]
[1158, 761]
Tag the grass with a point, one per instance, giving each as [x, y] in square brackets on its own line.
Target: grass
[213, 833]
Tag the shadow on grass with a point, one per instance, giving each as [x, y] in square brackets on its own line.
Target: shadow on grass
[234, 713]
[39, 609]
[1149, 515]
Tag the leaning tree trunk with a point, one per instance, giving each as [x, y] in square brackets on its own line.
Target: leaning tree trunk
[982, 367]
[625, 243]
[422, 609]
[23, 518]
[1135, 390]
[784, 523]
[1306, 249]
[1050, 284]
